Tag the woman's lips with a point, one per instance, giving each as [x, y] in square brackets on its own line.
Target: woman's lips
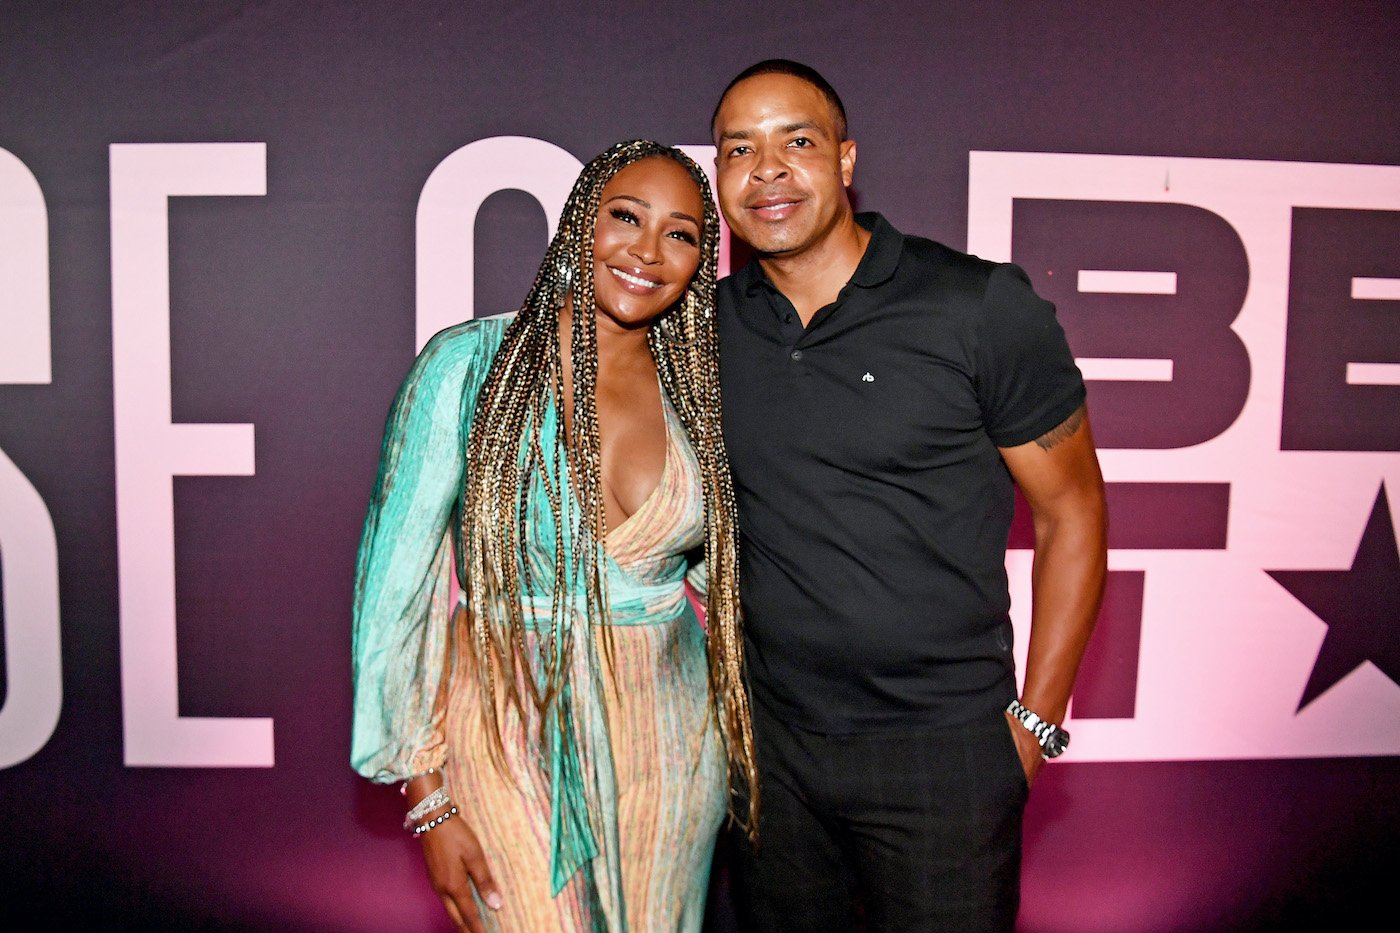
[635, 282]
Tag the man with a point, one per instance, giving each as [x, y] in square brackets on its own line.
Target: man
[882, 392]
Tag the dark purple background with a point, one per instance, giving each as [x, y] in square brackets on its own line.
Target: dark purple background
[294, 312]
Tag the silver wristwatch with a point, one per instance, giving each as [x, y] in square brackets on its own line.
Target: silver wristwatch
[1053, 740]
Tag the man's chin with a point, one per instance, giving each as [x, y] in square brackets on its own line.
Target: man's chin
[769, 245]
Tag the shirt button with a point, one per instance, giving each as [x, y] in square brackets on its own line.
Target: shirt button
[797, 354]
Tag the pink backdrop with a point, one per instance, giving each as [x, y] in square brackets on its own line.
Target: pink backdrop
[225, 228]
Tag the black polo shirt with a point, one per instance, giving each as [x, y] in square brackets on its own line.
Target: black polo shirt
[874, 507]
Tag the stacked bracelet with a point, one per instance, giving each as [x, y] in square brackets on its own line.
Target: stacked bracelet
[434, 801]
[435, 822]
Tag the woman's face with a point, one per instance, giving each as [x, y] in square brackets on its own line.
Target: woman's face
[646, 247]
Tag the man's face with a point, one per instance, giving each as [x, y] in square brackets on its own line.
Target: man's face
[783, 169]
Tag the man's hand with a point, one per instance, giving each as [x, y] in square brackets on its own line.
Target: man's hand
[1027, 747]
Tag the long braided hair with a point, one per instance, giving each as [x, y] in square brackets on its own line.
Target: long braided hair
[507, 454]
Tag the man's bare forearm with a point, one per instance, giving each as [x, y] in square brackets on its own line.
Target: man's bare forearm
[1067, 582]
[1060, 478]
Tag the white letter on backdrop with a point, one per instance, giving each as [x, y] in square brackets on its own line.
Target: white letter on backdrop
[447, 209]
[151, 450]
[28, 546]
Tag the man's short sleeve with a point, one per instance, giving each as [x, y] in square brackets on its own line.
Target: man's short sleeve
[1026, 379]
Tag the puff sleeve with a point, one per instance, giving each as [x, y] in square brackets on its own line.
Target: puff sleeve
[402, 599]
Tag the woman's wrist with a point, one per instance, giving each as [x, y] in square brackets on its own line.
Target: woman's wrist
[427, 798]
[428, 807]
[418, 786]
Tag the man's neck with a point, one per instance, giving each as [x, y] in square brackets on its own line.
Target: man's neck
[813, 278]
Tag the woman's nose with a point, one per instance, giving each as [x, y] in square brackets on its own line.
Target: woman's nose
[645, 248]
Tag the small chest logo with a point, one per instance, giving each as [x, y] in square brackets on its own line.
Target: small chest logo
[867, 378]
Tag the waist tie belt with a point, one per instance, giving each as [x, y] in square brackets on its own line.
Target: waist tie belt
[629, 603]
[572, 840]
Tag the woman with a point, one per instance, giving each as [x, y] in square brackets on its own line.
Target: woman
[562, 736]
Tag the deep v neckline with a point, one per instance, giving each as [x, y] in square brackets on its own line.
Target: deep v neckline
[666, 466]
[667, 416]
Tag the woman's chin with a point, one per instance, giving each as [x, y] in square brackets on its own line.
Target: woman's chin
[631, 316]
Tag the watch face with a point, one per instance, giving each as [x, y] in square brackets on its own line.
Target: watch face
[1056, 743]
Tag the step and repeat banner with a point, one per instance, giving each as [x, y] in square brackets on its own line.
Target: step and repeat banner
[225, 229]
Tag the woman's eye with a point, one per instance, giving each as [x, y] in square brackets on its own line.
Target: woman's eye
[685, 236]
[624, 215]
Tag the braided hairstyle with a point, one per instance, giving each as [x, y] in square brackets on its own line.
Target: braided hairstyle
[507, 454]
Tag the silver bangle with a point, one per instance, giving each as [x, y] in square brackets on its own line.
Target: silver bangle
[434, 801]
[403, 788]
[435, 822]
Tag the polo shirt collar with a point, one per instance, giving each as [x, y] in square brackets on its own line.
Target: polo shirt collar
[752, 277]
[876, 267]
[882, 253]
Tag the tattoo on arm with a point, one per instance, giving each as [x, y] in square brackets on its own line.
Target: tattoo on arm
[1063, 430]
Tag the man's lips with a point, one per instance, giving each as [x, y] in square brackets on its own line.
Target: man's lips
[774, 208]
[635, 280]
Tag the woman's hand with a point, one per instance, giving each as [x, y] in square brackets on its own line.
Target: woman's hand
[454, 857]
[456, 863]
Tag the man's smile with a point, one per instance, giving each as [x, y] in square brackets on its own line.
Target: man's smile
[774, 207]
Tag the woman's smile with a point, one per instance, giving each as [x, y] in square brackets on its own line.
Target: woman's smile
[637, 280]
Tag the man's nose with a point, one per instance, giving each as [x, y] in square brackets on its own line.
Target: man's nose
[770, 167]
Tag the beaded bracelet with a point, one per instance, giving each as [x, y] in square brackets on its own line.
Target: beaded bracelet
[435, 822]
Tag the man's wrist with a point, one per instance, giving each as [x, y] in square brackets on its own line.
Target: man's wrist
[1050, 737]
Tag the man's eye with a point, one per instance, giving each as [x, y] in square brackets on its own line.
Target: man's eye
[801, 142]
[739, 150]
[624, 215]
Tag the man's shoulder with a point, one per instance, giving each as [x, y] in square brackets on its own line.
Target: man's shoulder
[944, 267]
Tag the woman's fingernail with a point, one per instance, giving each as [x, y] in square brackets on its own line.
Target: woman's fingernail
[493, 900]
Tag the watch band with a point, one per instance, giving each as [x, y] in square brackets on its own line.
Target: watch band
[1052, 739]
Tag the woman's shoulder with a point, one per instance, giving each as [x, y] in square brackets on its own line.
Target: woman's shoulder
[454, 351]
[465, 340]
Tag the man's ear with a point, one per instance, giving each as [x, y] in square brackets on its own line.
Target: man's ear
[848, 161]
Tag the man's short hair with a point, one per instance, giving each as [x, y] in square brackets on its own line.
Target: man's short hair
[784, 66]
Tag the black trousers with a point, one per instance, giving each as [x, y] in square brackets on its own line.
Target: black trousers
[893, 831]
